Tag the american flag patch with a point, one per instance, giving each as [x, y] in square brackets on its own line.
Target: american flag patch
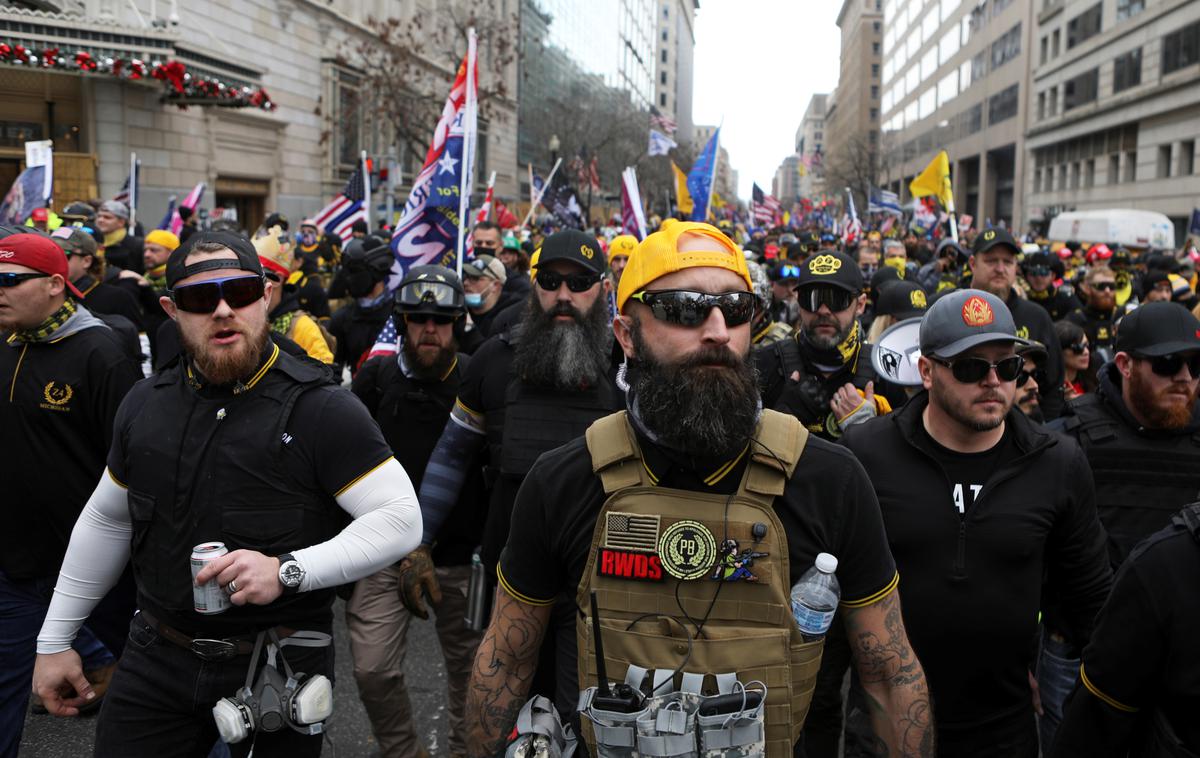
[625, 531]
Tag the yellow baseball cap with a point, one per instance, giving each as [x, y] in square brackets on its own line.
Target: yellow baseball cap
[164, 238]
[658, 255]
[622, 245]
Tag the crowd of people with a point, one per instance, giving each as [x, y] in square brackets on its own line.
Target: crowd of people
[585, 434]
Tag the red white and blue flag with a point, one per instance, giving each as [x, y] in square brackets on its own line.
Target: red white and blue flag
[428, 230]
[349, 206]
[763, 207]
[190, 202]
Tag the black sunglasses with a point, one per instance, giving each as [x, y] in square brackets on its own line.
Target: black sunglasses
[1077, 347]
[552, 280]
[835, 298]
[204, 297]
[689, 308]
[1036, 374]
[1038, 271]
[12, 279]
[1169, 365]
[975, 370]
[425, 318]
[1105, 286]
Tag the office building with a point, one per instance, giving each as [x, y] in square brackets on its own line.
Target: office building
[676, 48]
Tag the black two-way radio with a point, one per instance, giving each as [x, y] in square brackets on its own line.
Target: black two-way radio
[621, 698]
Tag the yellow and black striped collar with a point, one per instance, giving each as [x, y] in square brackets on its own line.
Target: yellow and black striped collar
[712, 479]
[194, 380]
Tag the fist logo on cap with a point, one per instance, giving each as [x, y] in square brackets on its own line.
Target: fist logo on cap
[824, 265]
[976, 312]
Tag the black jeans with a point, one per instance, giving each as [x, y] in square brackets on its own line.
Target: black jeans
[159, 704]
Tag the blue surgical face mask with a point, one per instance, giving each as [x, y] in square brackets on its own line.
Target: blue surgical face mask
[474, 299]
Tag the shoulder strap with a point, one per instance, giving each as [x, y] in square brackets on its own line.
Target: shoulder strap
[1190, 518]
[615, 456]
[776, 448]
[789, 356]
[1093, 423]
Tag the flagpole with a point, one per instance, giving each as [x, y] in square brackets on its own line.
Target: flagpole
[366, 178]
[464, 188]
[133, 192]
[540, 195]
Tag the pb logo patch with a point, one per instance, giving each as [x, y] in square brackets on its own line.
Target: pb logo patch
[824, 265]
[977, 312]
[57, 395]
[687, 550]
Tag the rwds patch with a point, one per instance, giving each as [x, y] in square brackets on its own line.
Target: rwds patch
[626, 564]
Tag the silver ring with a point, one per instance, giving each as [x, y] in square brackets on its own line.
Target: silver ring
[232, 587]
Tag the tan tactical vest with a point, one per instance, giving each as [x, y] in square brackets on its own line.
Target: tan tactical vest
[647, 536]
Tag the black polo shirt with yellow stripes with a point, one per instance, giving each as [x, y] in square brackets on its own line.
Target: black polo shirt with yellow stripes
[829, 506]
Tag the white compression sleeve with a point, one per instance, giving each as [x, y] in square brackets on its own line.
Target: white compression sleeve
[386, 527]
[96, 555]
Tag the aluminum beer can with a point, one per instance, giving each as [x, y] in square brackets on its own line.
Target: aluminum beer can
[208, 598]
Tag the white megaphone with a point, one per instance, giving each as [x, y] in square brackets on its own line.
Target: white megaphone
[895, 353]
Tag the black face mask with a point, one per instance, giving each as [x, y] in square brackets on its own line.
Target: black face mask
[359, 283]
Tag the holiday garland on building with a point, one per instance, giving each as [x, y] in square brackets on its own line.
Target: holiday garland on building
[181, 86]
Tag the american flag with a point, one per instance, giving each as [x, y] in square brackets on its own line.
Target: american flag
[660, 120]
[346, 208]
[128, 193]
[623, 531]
[387, 343]
[763, 207]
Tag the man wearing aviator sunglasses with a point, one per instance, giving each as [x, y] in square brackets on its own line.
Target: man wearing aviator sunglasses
[981, 505]
[694, 437]
[1100, 315]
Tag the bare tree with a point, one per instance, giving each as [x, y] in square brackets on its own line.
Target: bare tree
[853, 164]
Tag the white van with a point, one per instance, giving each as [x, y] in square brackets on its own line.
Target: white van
[1124, 227]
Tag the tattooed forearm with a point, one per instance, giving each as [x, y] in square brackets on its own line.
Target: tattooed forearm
[504, 667]
[892, 677]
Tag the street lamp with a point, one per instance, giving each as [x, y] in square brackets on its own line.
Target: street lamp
[554, 145]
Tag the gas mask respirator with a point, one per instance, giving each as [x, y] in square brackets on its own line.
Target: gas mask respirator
[274, 701]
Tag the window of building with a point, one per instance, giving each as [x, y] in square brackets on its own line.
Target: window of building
[912, 80]
[1052, 104]
[1114, 168]
[927, 103]
[929, 25]
[1003, 105]
[875, 69]
[1129, 8]
[1127, 70]
[929, 63]
[1074, 176]
[1164, 161]
[948, 8]
[999, 5]
[664, 36]
[887, 102]
[347, 132]
[1084, 26]
[1081, 89]
[662, 77]
[874, 114]
[1037, 180]
[913, 43]
[1187, 157]
[875, 48]
[1044, 50]
[874, 91]
[1131, 166]
[947, 88]
[666, 10]
[662, 99]
[964, 75]
[1007, 47]
[1055, 38]
[1181, 48]
[664, 55]
[1089, 173]
[875, 27]
[1041, 106]
[978, 66]
[948, 46]
[1062, 177]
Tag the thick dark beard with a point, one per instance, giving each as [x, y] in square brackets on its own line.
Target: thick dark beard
[564, 355]
[692, 406]
[430, 371]
[828, 343]
[955, 409]
[1142, 400]
[227, 366]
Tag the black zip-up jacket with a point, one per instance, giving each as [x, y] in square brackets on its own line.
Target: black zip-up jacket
[971, 584]
[1034, 323]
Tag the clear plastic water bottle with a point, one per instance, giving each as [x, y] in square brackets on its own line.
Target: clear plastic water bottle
[815, 598]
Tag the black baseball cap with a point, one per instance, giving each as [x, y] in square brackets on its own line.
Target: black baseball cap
[1035, 260]
[571, 245]
[1156, 329]
[832, 268]
[902, 300]
[963, 319]
[247, 256]
[780, 271]
[990, 238]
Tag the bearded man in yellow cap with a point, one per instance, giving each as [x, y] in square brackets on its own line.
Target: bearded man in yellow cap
[695, 494]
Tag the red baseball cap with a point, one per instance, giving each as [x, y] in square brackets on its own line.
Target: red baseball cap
[38, 253]
[40, 214]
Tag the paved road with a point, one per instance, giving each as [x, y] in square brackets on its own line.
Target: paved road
[49, 737]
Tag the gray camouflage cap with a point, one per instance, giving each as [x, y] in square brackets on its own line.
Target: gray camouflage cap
[963, 319]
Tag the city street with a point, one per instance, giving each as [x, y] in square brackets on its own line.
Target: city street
[350, 733]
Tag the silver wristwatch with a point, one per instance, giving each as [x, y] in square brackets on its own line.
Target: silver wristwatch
[291, 574]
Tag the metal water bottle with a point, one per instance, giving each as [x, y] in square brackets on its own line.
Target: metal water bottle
[477, 609]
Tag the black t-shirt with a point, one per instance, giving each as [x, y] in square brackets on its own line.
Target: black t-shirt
[968, 472]
[828, 506]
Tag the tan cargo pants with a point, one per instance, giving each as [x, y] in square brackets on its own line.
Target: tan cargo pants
[378, 624]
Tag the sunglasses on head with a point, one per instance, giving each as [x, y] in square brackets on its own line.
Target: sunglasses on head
[789, 272]
[835, 298]
[689, 308]
[204, 297]
[552, 280]
[1078, 347]
[12, 279]
[1169, 365]
[425, 318]
[1105, 286]
[975, 370]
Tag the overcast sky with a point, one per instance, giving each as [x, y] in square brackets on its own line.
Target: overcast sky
[757, 64]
